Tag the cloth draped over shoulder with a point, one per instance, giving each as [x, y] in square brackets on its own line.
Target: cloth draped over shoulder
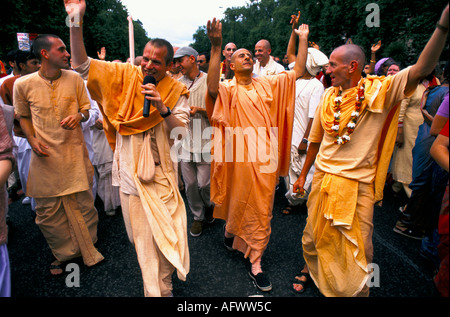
[117, 89]
[121, 99]
[340, 201]
[374, 101]
[269, 99]
[243, 191]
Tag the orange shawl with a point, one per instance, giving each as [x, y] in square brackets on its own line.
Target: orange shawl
[374, 97]
[117, 89]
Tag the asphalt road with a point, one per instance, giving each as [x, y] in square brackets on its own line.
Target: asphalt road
[215, 272]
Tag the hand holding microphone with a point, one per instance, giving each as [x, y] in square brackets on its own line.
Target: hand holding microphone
[148, 80]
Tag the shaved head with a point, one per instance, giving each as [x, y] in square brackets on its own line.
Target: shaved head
[238, 51]
[352, 52]
[265, 44]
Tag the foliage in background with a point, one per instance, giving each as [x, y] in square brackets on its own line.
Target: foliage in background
[405, 25]
[105, 24]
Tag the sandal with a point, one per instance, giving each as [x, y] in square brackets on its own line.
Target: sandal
[288, 209]
[297, 281]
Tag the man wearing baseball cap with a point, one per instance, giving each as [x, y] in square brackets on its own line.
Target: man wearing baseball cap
[195, 156]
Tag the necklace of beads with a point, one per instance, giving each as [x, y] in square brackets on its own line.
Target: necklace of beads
[345, 137]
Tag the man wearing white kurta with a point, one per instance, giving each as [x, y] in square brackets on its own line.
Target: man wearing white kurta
[308, 92]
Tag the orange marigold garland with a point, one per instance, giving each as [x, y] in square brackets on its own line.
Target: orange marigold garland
[354, 118]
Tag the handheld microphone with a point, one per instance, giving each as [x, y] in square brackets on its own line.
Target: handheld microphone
[148, 80]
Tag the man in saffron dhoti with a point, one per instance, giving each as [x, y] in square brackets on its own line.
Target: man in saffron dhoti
[152, 206]
[243, 182]
[351, 141]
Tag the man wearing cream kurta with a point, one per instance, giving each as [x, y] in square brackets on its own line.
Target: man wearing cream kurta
[352, 139]
[243, 185]
[152, 207]
[51, 104]
[265, 64]
[195, 154]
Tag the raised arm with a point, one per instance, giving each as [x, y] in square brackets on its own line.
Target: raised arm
[373, 59]
[293, 39]
[76, 10]
[430, 55]
[214, 31]
[300, 62]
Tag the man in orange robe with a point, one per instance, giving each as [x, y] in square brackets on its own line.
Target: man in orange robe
[143, 168]
[243, 175]
[351, 142]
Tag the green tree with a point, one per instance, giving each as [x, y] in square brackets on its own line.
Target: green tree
[105, 24]
[405, 25]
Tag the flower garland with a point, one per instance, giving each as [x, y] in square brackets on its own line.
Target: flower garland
[354, 118]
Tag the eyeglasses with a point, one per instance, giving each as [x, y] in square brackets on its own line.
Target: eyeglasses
[201, 61]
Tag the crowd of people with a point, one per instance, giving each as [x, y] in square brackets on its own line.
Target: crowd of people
[226, 127]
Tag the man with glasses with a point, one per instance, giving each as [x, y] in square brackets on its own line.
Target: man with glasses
[203, 61]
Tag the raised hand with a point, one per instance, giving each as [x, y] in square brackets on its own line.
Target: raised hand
[74, 8]
[303, 31]
[376, 47]
[102, 54]
[214, 31]
[444, 20]
[294, 20]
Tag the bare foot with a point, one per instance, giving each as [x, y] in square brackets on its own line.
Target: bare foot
[56, 268]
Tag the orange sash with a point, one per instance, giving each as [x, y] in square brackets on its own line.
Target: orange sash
[117, 89]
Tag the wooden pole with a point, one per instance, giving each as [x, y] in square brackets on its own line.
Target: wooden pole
[131, 38]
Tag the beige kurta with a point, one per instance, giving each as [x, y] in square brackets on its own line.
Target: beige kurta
[60, 183]
[48, 104]
[243, 186]
[337, 240]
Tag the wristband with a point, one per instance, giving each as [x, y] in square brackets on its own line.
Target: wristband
[304, 140]
[441, 27]
[168, 113]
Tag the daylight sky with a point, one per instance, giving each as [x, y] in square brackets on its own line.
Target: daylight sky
[176, 20]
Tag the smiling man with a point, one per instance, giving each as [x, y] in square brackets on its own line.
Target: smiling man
[195, 159]
[265, 64]
[51, 103]
[352, 139]
[152, 206]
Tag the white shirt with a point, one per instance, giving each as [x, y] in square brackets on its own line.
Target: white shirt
[271, 68]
